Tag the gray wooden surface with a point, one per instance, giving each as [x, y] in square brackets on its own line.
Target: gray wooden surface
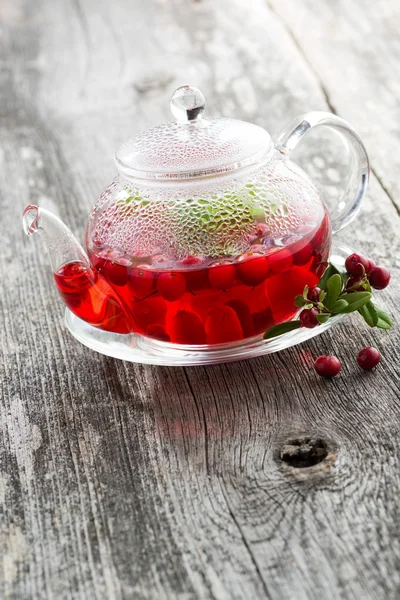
[120, 481]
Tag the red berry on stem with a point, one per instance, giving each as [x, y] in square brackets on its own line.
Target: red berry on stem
[314, 294]
[327, 366]
[379, 278]
[371, 265]
[308, 318]
[171, 286]
[368, 358]
[252, 270]
[352, 283]
[355, 263]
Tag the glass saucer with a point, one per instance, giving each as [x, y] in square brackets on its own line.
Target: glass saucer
[139, 349]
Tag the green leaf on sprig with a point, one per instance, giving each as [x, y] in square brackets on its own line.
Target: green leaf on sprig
[281, 328]
[369, 314]
[345, 277]
[355, 300]
[384, 321]
[334, 287]
[339, 306]
[300, 301]
[335, 299]
[365, 285]
[323, 317]
[329, 271]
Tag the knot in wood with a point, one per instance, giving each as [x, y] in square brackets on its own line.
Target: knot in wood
[304, 452]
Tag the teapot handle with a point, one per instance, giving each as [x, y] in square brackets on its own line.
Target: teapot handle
[350, 202]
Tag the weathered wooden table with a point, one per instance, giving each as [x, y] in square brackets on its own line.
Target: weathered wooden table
[124, 481]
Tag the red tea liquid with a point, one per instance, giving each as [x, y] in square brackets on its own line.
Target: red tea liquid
[195, 303]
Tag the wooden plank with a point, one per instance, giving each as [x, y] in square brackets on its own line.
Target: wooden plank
[352, 47]
[123, 481]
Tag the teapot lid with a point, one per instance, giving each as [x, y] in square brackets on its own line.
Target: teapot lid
[192, 147]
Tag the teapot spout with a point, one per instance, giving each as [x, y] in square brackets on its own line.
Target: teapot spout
[62, 246]
[84, 291]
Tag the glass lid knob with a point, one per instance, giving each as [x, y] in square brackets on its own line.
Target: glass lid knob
[187, 104]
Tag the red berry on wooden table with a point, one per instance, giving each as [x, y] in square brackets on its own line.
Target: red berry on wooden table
[327, 366]
[379, 278]
[356, 264]
[368, 358]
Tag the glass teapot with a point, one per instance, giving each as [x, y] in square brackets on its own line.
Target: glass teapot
[207, 233]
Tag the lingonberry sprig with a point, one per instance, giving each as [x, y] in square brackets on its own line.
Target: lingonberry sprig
[341, 293]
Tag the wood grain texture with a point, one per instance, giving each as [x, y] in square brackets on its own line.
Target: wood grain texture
[121, 481]
[353, 50]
